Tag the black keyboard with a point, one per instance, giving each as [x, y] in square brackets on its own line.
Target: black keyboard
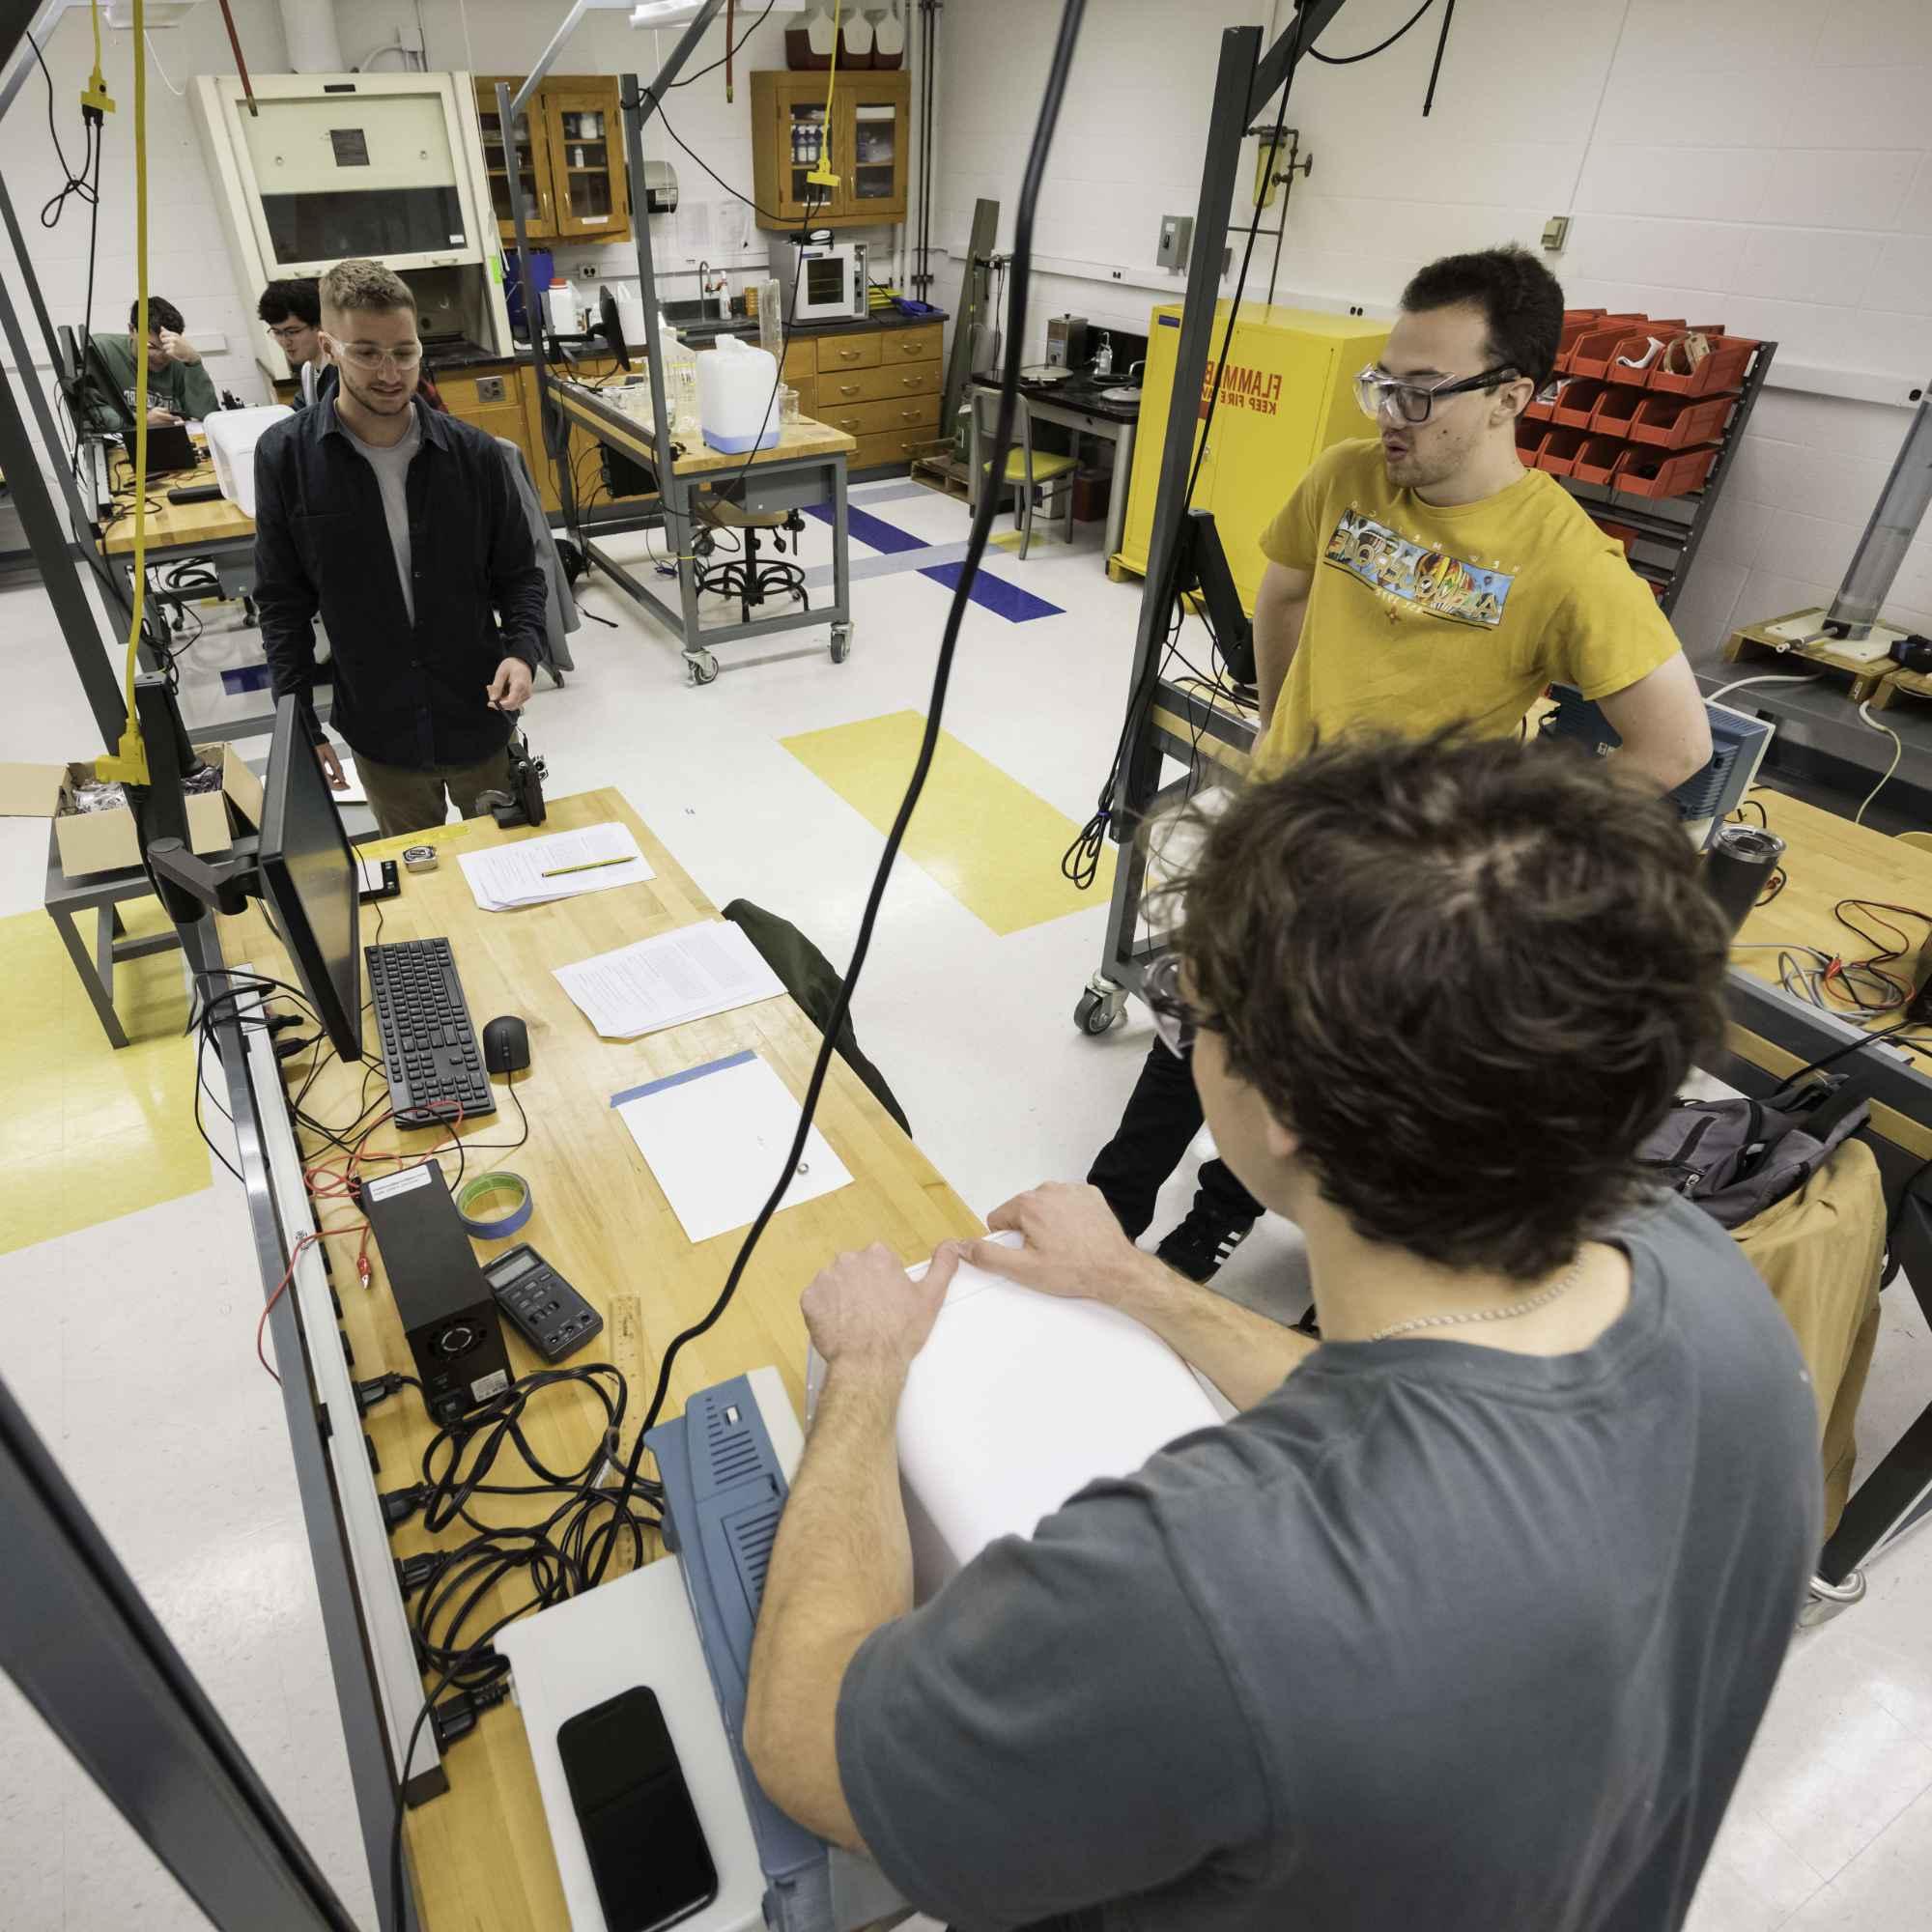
[429, 1047]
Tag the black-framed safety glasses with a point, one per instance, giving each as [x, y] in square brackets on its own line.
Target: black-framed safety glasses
[1414, 402]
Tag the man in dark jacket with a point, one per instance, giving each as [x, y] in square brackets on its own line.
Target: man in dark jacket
[401, 528]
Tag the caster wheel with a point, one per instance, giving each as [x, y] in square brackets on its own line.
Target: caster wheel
[1096, 1015]
[702, 667]
[842, 643]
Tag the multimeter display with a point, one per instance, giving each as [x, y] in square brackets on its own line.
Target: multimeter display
[543, 1308]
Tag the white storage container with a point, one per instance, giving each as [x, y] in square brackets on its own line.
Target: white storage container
[560, 309]
[232, 437]
[737, 396]
[631, 317]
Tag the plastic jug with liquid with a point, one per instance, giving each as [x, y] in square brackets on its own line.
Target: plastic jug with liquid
[737, 395]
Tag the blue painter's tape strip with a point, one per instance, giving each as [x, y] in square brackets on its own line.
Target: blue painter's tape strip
[678, 1079]
[862, 527]
[996, 594]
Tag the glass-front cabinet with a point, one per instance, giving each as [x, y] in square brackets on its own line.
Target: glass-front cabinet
[569, 158]
[864, 142]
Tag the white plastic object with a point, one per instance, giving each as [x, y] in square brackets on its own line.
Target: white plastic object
[231, 435]
[629, 314]
[736, 403]
[560, 309]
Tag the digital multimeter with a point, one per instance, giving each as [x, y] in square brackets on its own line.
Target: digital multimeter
[541, 1306]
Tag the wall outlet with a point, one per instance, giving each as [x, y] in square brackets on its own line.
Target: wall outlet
[1555, 232]
[586, 272]
[490, 389]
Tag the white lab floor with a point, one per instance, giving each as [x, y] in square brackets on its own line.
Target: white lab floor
[130, 1343]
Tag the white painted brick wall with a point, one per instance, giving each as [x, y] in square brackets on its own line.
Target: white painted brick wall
[1766, 164]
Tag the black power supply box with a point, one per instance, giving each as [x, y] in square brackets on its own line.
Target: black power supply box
[447, 1310]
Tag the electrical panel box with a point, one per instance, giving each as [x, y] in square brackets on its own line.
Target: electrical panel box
[1177, 237]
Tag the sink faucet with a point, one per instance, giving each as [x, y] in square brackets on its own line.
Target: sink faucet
[1136, 370]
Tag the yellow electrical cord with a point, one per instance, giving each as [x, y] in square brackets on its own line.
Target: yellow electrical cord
[821, 176]
[95, 93]
[130, 764]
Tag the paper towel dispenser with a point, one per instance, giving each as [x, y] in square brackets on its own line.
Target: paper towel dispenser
[660, 188]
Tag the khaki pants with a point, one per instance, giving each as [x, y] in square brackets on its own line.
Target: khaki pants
[406, 801]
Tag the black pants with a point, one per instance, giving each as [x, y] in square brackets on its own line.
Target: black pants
[1163, 1115]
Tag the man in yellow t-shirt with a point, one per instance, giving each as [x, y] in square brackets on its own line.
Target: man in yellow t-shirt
[1418, 579]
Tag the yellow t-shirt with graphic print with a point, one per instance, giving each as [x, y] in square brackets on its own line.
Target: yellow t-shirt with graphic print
[1420, 616]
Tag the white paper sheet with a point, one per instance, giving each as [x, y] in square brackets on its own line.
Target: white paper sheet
[354, 791]
[659, 982]
[714, 1137]
[537, 870]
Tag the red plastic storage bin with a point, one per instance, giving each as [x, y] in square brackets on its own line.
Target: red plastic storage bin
[1597, 457]
[1622, 532]
[1580, 322]
[1724, 368]
[1529, 441]
[1676, 422]
[1540, 408]
[1576, 402]
[1558, 453]
[1614, 411]
[1655, 472]
[1594, 351]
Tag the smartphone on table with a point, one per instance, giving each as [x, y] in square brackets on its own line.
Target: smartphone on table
[646, 1848]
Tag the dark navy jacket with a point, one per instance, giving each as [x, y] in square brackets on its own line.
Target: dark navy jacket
[405, 695]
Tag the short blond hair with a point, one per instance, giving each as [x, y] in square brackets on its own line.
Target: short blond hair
[360, 284]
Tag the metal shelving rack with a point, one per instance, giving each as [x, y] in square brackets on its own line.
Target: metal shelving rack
[1679, 535]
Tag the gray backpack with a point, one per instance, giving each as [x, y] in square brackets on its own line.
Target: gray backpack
[1734, 1159]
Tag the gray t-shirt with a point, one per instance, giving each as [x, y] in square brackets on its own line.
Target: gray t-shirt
[1436, 1635]
[393, 476]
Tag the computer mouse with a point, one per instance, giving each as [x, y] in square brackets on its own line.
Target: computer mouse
[507, 1044]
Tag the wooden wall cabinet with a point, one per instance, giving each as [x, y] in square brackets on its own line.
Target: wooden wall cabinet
[568, 154]
[866, 145]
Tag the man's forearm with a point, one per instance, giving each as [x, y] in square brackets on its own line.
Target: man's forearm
[1245, 1356]
[842, 1567]
[1277, 632]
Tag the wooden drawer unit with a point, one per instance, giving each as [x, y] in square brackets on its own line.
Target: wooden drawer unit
[808, 391]
[875, 451]
[801, 359]
[862, 420]
[910, 345]
[853, 349]
[877, 385]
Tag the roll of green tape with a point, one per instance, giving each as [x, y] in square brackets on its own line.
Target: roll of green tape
[494, 1205]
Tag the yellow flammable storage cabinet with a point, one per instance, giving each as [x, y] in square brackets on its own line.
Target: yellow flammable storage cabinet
[1287, 393]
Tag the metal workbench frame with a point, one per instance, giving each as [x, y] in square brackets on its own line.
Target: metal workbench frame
[636, 104]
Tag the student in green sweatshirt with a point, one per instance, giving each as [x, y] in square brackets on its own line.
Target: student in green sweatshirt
[179, 388]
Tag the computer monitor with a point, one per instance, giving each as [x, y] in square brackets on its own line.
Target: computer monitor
[311, 881]
[611, 328]
[1738, 744]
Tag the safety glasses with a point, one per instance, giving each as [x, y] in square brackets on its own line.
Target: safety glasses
[1412, 402]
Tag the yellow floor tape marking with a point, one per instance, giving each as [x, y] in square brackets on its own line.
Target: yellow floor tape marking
[89, 1134]
[988, 840]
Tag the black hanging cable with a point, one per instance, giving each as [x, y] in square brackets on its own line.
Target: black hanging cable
[1435, 66]
[736, 46]
[1369, 53]
[983, 526]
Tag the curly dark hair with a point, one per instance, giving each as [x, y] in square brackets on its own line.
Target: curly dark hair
[1521, 303]
[161, 314]
[300, 297]
[1469, 976]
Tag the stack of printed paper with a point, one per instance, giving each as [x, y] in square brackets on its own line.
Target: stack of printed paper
[685, 974]
[716, 1137]
[560, 866]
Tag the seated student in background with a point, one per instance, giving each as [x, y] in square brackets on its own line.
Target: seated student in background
[179, 388]
[1466, 1619]
[292, 313]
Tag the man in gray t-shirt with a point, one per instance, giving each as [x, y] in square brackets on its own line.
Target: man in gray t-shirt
[1468, 1618]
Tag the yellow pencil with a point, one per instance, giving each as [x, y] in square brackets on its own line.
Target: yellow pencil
[588, 865]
